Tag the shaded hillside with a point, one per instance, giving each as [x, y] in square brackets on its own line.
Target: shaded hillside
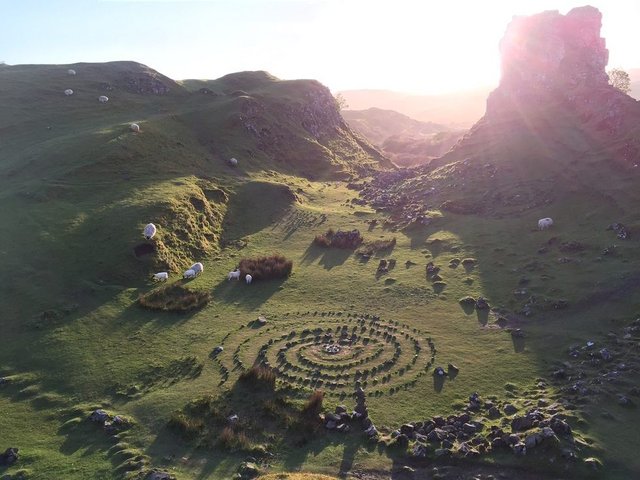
[377, 124]
[456, 110]
[404, 140]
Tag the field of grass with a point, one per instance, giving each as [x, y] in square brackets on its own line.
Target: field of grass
[74, 337]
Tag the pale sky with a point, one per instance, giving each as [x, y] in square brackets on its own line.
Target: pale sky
[416, 46]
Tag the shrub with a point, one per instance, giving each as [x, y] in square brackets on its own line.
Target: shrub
[259, 377]
[313, 405]
[339, 239]
[231, 440]
[266, 268]
[370, 248]
[174, 298]
[187, 427]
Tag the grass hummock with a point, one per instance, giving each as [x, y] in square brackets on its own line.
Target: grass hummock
[174, 298]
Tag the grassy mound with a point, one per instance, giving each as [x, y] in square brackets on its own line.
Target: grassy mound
[174, 298]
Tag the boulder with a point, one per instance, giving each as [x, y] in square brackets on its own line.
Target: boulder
[402, 441]
[248, 470]
[532, 440]
[407, 429]
[510, 409]
[520, 449]
[9, 457]
[469, 428]
[99, 416]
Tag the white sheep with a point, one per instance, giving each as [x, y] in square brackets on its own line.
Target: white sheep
[134, 127]
[544, 223]
[71, 71]
[103, 99]
[189, 274]
[149, 231]
[68, 92]
[235, 275]
[161, 276]
[197, 267]
[233, 162]
[248, 278]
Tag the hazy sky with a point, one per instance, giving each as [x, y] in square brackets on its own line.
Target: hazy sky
[418, 46]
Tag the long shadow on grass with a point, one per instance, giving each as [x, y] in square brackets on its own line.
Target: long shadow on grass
[249, 296]
[329, 257]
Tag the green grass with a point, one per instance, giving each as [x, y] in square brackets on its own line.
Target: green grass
[73, 337]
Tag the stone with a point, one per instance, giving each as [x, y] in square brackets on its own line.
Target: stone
[331, 425]
[482, 304]
[593, 463]
[340, 409]
[520, 449]
[559, 426]
[532, 440]
[442, 452]
[625, 401]
[261, 320]
[419, 451]
[436, 435]
[9, 457]
[469, 428]
[494, 412]
[402, 441]
[218, 350]
[510, 409]
[248, 470]
[407, 429]
[99, 416]
[439, 372]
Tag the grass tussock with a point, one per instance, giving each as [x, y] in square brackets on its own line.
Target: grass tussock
[370, 248]
[187, 427]
[266, 268]
[259, 377]
[233, 441]
[174, 298]
[313, 405]
[339, 239]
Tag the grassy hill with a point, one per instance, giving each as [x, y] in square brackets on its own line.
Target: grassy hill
[75, 338]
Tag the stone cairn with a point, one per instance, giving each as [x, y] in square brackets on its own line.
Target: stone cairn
[342, 421]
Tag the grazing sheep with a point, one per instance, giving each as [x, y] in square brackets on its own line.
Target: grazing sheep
[544, 223]
[161, 276]
[189, 274]
[197, 267]
[149, 231]
[68, 92]
[71, 71]
[134, 127]
[103, 99]
[235, 275]
[248, 278]
[233, 162]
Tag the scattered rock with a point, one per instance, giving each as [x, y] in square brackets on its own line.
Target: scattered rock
[9, 457]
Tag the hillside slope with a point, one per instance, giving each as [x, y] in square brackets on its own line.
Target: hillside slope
[76, 161]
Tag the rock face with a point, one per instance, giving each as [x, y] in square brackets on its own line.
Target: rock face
[553, 59]
[553, 51]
